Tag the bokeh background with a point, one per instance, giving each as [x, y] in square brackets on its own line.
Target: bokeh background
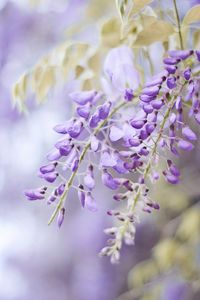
[41, 262]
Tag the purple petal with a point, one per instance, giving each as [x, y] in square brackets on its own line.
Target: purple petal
[171, 82]
[180, 54]
[157, 104]
[83, 112]
[61, 216]
[151, 91]
[48, 168]
[109, 181]
[137, 124]
[147, 108]
[171, 69]
[198, 54]
[81, 195]
[94, 143]
[115, 133]
[50, 177]
[108, 160]
[94, 120]
[171, 61]
[90, 203]
[187, 74]
[146, 98]
[185, 145]
[89, 182]
[34, 194]
[54, 155]
[74, 165]
[83, 97]
[189, 134]
[104, 110]
[60, 189]
[75, 130]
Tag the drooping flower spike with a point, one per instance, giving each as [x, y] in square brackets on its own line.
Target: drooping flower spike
[158, 129]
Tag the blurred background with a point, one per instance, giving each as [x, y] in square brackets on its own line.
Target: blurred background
[41, 262]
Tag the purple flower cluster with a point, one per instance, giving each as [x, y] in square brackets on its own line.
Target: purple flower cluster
[125, 150]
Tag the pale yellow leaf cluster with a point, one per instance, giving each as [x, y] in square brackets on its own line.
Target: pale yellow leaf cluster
[192, 16]
[67, 59]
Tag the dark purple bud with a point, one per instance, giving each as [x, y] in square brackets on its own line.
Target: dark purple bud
[48, 168]
[61, 216]
[137, 124]
[109, 181]
[74, 165]
[126, 183]
[143, 151]
[151, 91]
[94, 120]
[187, 74]
[189, 134]
[120, 196]
[81, 195]
[83, 112]
[171, 82]
[119, 167]
[60, 189]
[185, 145]
[50, 177]
[171, 61]
[178, 103]
[104, 110]
[83, 97]
[128, 95]
[34, 194]
[180, 54]
[173, 169]
[171, 178]
[54, 155]
[51, 199]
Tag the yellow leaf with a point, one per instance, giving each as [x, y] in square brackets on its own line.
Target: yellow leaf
[138, 5]
[110, 33]
[192, 16]
[156, 31]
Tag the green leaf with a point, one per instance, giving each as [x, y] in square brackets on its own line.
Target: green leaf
[192, 16]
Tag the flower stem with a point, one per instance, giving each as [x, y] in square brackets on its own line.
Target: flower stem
[87, 146]
[178, 24]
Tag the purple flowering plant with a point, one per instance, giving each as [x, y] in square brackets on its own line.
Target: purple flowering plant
[128, 133]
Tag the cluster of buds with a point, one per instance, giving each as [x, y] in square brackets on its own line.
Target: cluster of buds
[128, 145]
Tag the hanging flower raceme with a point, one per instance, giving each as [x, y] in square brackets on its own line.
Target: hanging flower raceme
[158, 129]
